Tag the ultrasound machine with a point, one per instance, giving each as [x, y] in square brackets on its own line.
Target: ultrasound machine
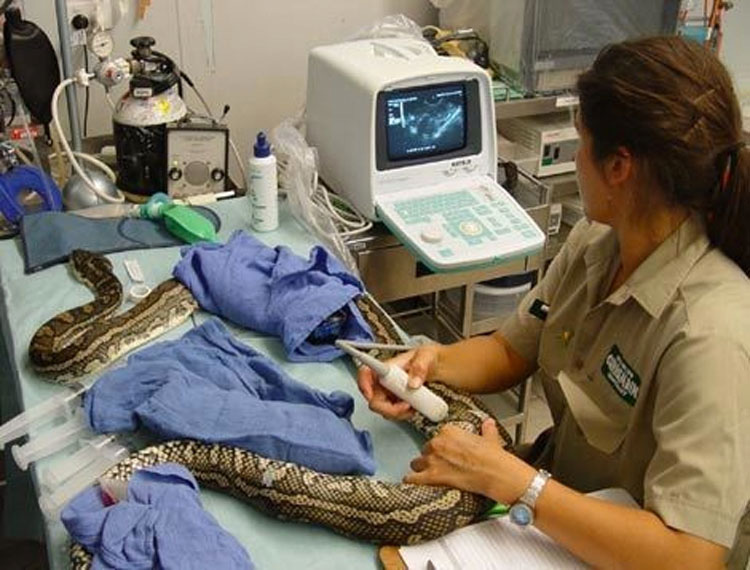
[408, 137]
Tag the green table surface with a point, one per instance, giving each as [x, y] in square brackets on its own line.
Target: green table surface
[26, 301]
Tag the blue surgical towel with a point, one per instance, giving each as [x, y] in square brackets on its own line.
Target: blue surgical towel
[210, 387]
[275, 291]
[161, 524]
[49, 237]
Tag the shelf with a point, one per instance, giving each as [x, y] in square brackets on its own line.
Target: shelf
[557, 182]
[534, 106]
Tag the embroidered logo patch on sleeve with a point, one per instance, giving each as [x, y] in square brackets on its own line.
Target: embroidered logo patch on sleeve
[621, 376]
[539, 309]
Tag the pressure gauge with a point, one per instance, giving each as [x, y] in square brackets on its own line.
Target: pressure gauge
[102, 44]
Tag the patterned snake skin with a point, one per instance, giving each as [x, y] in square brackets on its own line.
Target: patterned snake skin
[356, 506]
[85, 339]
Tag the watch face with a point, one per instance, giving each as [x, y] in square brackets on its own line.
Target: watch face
[521, 514]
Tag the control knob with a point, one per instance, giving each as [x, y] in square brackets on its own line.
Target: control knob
[432, 234]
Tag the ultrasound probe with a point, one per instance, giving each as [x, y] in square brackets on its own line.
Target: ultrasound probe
[395, 380]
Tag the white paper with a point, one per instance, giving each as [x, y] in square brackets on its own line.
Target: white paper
[492, 545]
[499, 544]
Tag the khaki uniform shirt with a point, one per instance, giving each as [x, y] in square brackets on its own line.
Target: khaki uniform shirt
[649, 387]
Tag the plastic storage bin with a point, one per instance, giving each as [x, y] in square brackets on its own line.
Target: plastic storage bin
[491, 301]
[496, 298]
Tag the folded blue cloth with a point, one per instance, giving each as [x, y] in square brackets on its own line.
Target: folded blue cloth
[49, 237]
[161, 524]
[276, 292]
[210, 387]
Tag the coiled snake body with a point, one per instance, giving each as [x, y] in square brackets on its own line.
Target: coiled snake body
[359, 507]
[87, 338]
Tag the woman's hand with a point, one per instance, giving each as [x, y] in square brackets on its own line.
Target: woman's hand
[475, 463]
[419, 364]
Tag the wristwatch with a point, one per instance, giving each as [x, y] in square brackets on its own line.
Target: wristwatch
[522, 511]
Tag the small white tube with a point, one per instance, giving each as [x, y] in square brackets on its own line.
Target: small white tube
[52, 503]
[48, 410]
[53, 477]
[262, 186]
[50, 441]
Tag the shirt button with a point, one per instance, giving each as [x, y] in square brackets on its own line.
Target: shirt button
[578, 363]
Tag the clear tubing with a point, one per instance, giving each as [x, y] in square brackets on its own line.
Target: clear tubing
[71, 155]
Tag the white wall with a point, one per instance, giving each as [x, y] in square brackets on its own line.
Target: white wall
[736, 49]
[259, 49]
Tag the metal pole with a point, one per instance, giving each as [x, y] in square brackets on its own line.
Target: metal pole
[63, 30]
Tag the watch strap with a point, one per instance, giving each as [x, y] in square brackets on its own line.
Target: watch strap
[532, 492]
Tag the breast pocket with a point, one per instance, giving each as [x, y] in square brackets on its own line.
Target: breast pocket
[601, 414]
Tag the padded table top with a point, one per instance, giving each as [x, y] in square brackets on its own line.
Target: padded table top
[26, 301]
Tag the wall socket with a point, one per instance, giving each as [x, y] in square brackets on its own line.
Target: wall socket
[86, 8]
[102, 14]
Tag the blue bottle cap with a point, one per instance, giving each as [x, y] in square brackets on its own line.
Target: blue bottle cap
[261, 148]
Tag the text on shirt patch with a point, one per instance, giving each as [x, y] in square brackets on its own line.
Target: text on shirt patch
[621, 376]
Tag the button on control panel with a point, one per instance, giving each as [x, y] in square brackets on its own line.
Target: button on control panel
[466, 224]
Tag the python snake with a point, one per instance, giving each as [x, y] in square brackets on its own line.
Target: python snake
[87, 338]
[355, 506]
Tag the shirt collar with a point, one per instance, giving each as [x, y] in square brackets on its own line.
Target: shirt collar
[602, 247]
[654, 283]
[599, 258]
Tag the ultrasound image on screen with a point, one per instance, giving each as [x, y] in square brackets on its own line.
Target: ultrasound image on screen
[426, 122]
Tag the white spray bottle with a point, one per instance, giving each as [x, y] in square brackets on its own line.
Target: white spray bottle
[262, 186]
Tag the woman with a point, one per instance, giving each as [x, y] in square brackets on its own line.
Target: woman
[639, 329]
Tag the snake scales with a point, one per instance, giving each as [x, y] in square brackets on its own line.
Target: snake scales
[87, 338]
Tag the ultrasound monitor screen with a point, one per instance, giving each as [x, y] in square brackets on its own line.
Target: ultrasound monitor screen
[427, 121]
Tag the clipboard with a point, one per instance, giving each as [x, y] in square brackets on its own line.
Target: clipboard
[496, 539]
[390, 558]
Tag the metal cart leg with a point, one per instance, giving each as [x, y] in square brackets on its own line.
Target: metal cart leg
[523, 408]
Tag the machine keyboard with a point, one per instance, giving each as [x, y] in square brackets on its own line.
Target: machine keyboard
[414, 210]
[459, 227]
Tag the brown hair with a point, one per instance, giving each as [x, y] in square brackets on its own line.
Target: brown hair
[671, 103]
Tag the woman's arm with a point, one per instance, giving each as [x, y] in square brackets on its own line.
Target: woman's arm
[479, 364]
[619, 538]
[604, 535]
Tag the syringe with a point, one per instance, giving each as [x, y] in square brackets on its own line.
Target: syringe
[396, 380]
